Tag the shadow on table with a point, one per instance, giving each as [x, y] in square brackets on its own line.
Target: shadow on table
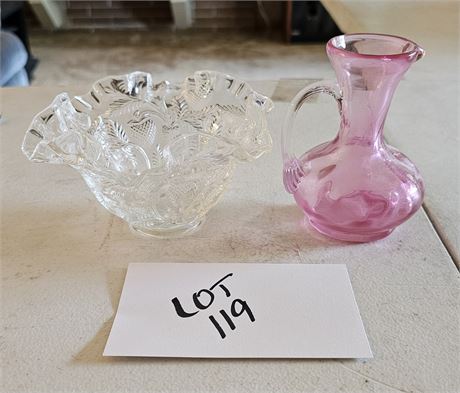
[82, 237]
[266, 234]
[251, 232]
[92, 351]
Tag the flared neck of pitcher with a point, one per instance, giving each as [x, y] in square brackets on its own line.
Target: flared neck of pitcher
[368, 68]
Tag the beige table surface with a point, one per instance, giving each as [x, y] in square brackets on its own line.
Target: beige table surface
[64, 259]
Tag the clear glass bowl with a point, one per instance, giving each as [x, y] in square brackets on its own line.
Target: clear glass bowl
[157, 155]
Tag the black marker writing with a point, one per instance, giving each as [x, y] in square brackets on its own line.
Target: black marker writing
[197, 301]
[180, 311]
[217, 326]
[204, 298]
[222, 286]
[228, 319]
[244, 309]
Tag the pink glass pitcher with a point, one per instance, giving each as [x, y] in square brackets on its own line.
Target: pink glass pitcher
[356, 187]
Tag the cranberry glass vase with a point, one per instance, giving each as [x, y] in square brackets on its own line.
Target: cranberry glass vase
[356, 187]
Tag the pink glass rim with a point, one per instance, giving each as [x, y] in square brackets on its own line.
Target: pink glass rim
[417, 52]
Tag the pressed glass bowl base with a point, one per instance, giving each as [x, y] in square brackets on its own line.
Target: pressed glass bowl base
[171, 232]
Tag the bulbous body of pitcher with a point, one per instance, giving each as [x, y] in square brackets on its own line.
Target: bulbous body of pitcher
[356, 187]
